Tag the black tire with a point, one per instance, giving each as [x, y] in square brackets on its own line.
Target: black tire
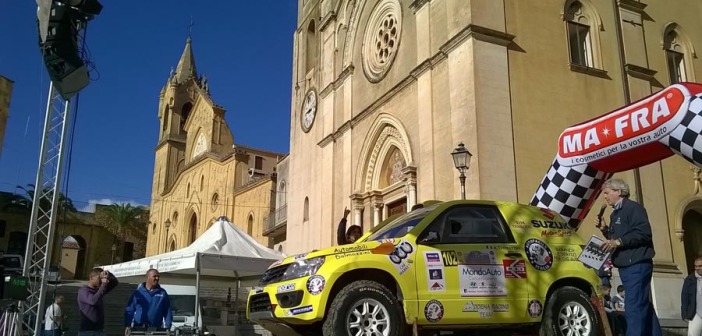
[339, 316]
[585, 318]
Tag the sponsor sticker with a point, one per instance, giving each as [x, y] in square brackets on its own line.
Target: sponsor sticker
[299, 310]
[481, 257]
[434, 311]
[451, 257]
[286, 288]
[566, 253]
[435, 279]
[399, 256]
[485, 310]
[300, 256]
[539, 254]
[482, 280]
[534, 308]
[315, 284]
[432, 258]
[514, 269]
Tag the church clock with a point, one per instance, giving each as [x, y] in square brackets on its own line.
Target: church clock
[309, 111]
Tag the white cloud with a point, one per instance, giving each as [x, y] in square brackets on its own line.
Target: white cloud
[105, 201]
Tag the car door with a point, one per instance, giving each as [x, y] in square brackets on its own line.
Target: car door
[469, 269]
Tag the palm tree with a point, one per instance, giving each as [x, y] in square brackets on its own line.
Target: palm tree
[65, 203]
[123, 219]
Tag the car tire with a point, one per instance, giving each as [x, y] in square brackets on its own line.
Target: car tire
[356, 295]
[569, 308]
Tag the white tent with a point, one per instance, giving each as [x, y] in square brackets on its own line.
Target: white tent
[223, 253]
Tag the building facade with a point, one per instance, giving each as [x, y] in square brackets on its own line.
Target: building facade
[5, 95]
[384, 90]
[200, 174]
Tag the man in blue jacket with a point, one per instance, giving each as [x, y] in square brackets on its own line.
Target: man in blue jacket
[630, 240]
[149, 306]
[691, 300]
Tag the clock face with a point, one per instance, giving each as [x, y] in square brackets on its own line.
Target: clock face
[309, 110]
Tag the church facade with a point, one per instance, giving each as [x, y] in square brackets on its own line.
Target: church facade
[384, 90]
[199, 172]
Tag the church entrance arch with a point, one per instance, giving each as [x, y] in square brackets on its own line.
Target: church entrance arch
[386, 177]
[649, 130]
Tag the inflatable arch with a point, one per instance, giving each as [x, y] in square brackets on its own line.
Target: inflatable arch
[651, 129]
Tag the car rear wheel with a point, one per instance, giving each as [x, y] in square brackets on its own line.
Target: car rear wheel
[569, 313]
[364, 307]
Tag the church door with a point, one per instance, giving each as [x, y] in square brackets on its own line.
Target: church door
[692, 224]
[397, 207]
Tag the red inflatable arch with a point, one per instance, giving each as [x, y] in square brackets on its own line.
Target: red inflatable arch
[651, 129]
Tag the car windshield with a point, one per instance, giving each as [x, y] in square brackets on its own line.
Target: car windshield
[11, 262]
[402, 225]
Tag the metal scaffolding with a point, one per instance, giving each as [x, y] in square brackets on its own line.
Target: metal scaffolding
[45, 209]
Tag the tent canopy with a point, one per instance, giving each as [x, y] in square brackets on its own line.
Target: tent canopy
[223, 251]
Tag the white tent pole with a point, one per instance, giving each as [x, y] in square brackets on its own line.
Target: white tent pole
[197, 290]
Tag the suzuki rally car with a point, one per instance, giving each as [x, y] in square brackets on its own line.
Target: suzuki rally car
[447, 266]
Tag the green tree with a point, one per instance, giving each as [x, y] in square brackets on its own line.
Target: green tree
[65, 203]
[124, 220]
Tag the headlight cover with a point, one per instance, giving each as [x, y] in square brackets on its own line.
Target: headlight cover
[301, 268]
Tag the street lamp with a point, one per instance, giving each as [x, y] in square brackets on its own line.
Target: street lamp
[461, 160]
[168, 225]
[114, 249]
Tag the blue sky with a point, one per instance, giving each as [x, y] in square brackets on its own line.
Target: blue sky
[243, 47]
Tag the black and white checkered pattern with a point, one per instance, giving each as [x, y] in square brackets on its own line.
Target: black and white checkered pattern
[686, 138]
[567, 190]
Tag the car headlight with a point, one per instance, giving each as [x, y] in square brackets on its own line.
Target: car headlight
[301, 268]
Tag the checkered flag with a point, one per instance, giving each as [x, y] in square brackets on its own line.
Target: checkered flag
[686, 138]
[568, 190]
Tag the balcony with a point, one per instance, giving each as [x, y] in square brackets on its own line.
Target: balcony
[276, 222]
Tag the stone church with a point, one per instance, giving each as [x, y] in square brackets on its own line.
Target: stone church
[199, 172]
[384, 90]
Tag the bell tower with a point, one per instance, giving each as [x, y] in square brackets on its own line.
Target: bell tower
[176, 102]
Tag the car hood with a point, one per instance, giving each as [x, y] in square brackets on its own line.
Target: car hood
[382, 247]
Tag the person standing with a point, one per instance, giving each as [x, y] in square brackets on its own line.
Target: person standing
[630, 241]
[691, 299]
[149, 307]
[344, 236]
[53, 319]
[90, 302]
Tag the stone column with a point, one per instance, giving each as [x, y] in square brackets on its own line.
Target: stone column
[410, 176]
[377, 212]
[357, 205]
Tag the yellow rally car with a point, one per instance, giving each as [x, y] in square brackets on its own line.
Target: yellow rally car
[447, 266]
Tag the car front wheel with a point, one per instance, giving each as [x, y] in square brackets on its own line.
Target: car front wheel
[364, 307]
[570, 313]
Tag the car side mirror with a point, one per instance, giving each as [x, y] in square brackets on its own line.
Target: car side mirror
[430, 237]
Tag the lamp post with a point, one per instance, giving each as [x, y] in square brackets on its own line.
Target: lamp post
[114, 249]
[461, 160]
[168, 225]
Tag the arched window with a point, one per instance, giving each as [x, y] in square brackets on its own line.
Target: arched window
[582, 25]
[202, 182]
[165, 119]
[282, 198]
[306, 211]
[193, 228]
[172, 247]
[187, 191]
[249, 225]
[311, 47]
[678, 54]
[184, 114]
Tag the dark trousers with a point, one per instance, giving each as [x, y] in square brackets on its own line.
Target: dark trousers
[641, 318]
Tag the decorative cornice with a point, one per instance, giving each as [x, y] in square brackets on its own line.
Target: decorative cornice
[326, 20]
[479, 33]
[666, 267]
[416, 5]
[345, 74]
[633, 5]
[589, 71]
[640, 72]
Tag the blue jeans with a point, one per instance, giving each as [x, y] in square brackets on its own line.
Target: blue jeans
[641, 318]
